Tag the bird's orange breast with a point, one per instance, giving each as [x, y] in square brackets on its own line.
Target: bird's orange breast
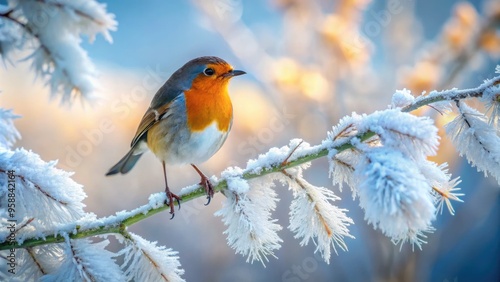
[206, 102]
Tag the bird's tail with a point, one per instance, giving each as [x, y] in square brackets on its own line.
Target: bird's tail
[127, 162]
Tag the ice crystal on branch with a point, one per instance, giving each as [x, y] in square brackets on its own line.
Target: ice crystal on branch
[402, 98]
[314, 217]
[247, 214]
[145, 261]
[412, 135]
[43, 192]
[394, 194]
[85, 260]
[476, 139]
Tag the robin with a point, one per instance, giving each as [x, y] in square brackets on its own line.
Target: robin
[187, 122]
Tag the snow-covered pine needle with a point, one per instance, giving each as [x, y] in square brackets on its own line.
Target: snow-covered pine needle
[8, 132]
[415, 136]
[145, 261]
[42, 192]
[247, 214]
[85, 260]
[314, 217]
[476, 139]
[394, 194]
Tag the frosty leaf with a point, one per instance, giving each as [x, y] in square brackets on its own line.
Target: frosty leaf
[34, 262]
[415, 136]
[313, 217]
[476, 139]
[347, 128]
[442, 185]
[145, 261]
[394, 194]
[43, 192]
[250, 230]
[86, 261]
[342, 166]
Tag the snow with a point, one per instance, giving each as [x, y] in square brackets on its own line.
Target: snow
[402, 98]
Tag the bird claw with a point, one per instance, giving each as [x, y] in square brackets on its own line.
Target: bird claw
[171, 196]
[209, 189]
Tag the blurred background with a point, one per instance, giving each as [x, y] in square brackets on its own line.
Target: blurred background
[309, 63]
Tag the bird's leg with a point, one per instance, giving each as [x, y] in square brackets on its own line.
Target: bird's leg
[205, 182]
[170, 195]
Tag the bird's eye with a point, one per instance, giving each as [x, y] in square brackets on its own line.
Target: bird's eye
[209, 71]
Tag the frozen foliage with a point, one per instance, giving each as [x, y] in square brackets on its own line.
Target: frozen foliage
[85, 260]
[8, 132]
[35, 262]
[476, 139]
[250, 230]
[443, 186]
[43, 192]
[394, 194]
[145, 261]
[415, 136]
[314, 217]
[54, 28]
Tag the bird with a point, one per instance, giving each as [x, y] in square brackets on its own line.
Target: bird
[187, 122]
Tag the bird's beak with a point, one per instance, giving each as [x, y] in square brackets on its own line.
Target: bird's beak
[234, 73]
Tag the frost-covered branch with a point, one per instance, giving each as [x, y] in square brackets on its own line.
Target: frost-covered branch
[53, 28]
[347, 140]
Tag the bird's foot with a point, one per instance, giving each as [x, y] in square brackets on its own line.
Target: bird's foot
[171, 196]
[209, 188]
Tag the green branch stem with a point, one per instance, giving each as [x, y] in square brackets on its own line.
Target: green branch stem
[119, 227]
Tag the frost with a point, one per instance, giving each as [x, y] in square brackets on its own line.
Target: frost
[250, 230]
[54, 28]
[43, 192]
[402, 98]
[314, 217]
[394, 194]
[145, 261]
[415, 136]
[86, 261]
[476, 139]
